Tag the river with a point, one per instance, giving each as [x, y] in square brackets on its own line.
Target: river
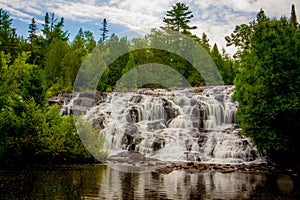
[107, 182]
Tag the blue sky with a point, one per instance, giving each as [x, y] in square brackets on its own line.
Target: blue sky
[217, 18]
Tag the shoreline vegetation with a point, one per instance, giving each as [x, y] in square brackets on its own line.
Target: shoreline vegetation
[265, 71]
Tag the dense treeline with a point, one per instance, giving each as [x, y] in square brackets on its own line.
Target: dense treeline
[31, 70]
[268, 85]
[265, 71]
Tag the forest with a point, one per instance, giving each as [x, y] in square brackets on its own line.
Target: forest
[265, 71]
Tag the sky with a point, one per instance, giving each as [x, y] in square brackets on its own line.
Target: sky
[217, 18]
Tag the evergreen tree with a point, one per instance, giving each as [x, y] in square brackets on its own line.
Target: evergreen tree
[71, 62]
[178, 18]
[46, 24]
[261, 16]
[53, 65]
[267, 89]
[53, 29]
[293, 17]
[80, 33]
[8, 38]
[104, 31]
[32, 30]
[90, 42]
[205, 42]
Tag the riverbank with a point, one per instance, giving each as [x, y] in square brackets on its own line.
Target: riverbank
[139, 162]
[136, 162]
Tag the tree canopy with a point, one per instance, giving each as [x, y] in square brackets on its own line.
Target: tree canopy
[268, 86]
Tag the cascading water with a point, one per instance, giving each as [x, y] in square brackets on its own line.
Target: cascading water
[173, 124]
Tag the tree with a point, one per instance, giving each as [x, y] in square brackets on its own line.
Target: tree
[72, 61]
[53, 29]
[80, 33]
[113, 47]
[90, 42]
[178, 18]
[205, 42]
[104, 31]
[268, 86]
[8, 36]
[53, 69]
[293, 17]
[240, 38]
[32, 30]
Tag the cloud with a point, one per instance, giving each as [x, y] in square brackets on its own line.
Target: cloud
[214, 17]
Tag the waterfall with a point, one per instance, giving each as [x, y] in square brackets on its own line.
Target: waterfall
[176, 124]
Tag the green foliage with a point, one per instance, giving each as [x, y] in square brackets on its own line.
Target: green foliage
[8, 37]
[225, 65]
[53, 29]
[91, 138]
[53, 63]
[268, 86]
[30, 130]
[178, 17]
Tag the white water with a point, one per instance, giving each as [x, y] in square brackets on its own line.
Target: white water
[175, 125]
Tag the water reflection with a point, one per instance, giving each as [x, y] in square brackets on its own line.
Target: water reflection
[103, 182]
[180, 185]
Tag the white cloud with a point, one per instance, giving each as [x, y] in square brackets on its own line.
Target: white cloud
[16, 9]
[214, 17]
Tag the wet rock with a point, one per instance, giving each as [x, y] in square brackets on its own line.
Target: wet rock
[192, 170]
[165, 170]
[217, 167]
[131, 137]
[56, 101]
[158, 143]
[227, 170]
[131, 147]
[98, 122]
[155, 125]
[132, 116]
[171, 112]
[177, 165]
[202, 140]
[136, 99]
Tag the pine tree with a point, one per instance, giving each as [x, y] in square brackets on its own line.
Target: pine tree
[53, 29]
[80, 33]
[32, 30]
[177, 19]
[8, 36]
[293, 17]
[90, 42]
[261, 16]
[104, 31]
[205, 41]
[46, 29]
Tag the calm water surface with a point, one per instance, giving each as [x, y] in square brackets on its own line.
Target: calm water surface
[105, 182]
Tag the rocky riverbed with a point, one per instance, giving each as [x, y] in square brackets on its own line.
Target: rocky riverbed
[137, 160]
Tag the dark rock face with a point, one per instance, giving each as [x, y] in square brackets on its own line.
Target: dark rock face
[155, 125]
[202, 140]
[158, 144]
[77, 103]
[98, 122]
[171, 112]
[136, 99]
[133, 116]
